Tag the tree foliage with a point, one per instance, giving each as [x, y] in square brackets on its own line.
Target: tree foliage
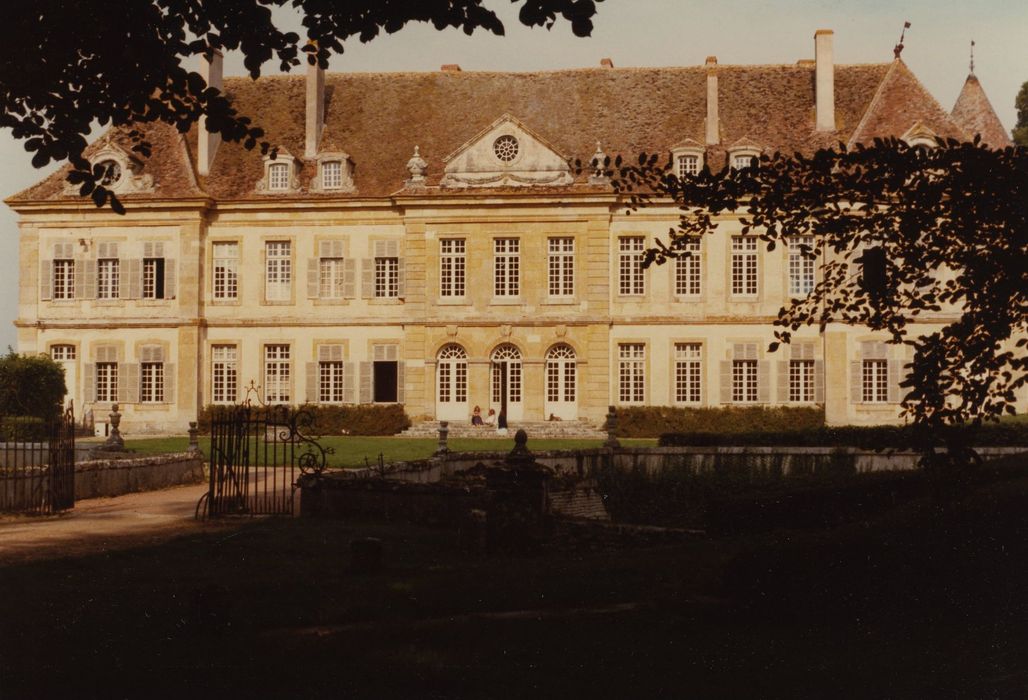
[947, 231]
[1020, 132]
[30, 385]
[69, 63]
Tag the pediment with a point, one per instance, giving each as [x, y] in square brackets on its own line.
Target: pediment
[920, 135]
[506, 154]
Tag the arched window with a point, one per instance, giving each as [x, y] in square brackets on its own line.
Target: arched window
[560, 374]
[510, 356]
[452, 371]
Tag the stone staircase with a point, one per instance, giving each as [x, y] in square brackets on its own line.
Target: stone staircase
[537, 430]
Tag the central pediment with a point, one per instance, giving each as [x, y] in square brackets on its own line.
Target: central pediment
[506, 154]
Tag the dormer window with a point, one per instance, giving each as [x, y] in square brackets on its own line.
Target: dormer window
[743, 160]
[280, 173]
[335, 173]
[117, 170]
[688, 165]
[110, 172]
[687, 159]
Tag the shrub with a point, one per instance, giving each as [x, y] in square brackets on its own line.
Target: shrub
[30, 385]
[368, 419]
[23, 429]
[651, 421]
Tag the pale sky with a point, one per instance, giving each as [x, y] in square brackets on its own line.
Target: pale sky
[666, 33]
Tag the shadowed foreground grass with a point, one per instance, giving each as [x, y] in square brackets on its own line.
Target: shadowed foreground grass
[357, 451]
[908, 604]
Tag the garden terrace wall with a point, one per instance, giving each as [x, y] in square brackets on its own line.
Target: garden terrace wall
[113, 477]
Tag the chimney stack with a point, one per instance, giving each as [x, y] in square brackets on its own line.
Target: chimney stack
[315, 110]
[824, 80]
[606, 63]
[713, 120]
[208, 142]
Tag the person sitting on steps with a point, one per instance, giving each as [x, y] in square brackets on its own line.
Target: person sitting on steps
[490, 420]
[476, 416]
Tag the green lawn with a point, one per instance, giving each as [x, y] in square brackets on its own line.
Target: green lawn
[352, 451]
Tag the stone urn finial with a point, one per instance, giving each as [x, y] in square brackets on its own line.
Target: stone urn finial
[417, 167]
[598, 164]
[114, 442]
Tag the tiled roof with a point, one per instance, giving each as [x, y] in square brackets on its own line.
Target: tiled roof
[974, 113]
[378, 118]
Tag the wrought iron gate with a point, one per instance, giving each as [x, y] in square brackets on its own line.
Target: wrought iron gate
[37, 464]
[255, 456]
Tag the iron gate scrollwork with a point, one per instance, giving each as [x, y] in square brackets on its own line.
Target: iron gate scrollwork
[37, 463]
[254, 458]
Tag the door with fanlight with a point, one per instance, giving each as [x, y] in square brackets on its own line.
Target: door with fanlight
[561, 385]
[452, 384]
[507, 382]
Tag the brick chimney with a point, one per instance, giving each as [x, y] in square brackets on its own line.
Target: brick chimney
[450, 68]
[824, 80]
[713, 123]
[208, 143]
[606, 63]
[315, 110]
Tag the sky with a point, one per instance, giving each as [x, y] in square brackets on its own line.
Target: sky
[661, 33]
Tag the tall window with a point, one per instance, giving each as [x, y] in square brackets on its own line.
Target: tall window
[744, 373]
[226, 270]
[452, 373]
[277, 367]
[106, 382]
[331, 271]
[278, 176]
[278, 279]
[506, 267]
[744, 266]
[688, 372]
[632, 372]
[801, 380]
[331, 175]
[688, 165]
[689, 271]
[561, 267]
[153, 270]
[108, 272]
[875, 381]
[151, 386]
[630, 270]
[560, 374]
[330, 374]
[223, 373]
[64, 279]
[387, 277]
[451, 267]
[511, 357]
[801, 268]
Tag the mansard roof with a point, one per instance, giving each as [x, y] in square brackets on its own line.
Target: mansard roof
[378, 118]
[975, 115]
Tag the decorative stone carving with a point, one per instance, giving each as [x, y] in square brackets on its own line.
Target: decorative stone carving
[270, 183]
[335, 173]
[417, 166]
[598, 165]
[560, 330]
[505, 330]
[506, 154]
[121, 172]
[451, 331]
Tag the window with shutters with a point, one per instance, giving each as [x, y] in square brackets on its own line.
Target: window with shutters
[451, 267]
[506, 267]
[331, 374]
[331, 274]
[745, 371]
[689, 271]
[385, 374]
[561, 366]
[630, 269]
[688, 372]
[387, 277]
[632, 372]
[106, 382]
[64, 279]
[277, 374]
[226, 271]
[151, 384]
[801, 380]
[744, 266]
[874, 381]
[62, 352]
[154, 271]
[561, 267]
[108, 278]
[223, 374]
[452, 375]
[383, 274]
[278, 271]
[801, 267]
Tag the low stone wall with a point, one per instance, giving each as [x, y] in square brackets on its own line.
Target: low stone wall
[113, 477]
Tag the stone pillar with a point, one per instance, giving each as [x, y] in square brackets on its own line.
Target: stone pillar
[836, 365]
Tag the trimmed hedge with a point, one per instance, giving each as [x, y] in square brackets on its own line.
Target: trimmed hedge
[387, 419]
[869, 437]
[23, 429]
[652, 421]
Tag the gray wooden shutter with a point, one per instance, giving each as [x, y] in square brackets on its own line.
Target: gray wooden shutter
[764, 381]
[349, 278]
[856, 382]
[366, 394]
[401, 277]
[313, 281]
[367, 278]
[128, 382]
[783, 381]
[312, 382]
[819, 381]
[349, 386]
[401, 382]
[46, 280]
[170, 278]
[726, 381]
[895, 368]
[80, 279]
[135, 278]
[169, 382]
[89, 393]
[89, 280]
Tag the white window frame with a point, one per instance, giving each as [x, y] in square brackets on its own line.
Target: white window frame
[62, 352]
[452, 267]
[631, 277]
[106, 382]
[278, 366]
[108, 278]
[331, 174]
[331, 387]
[745, 380]
[688, 165]
[278, 177]
[631, 373]
[387, 277]
[561, 374]
[801, 380]
[225, 280]
[801, 268]
[452, 379]
[63, 279]
[561, 266]
[688, 373]
[278, 270]
[874, 380]
[151, 382]
[506, 267]
[224, 377]
[745, 272]
[689, 271]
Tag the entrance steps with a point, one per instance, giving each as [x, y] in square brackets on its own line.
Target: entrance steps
[537, 430]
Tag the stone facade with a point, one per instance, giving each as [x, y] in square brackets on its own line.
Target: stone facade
[361, 274]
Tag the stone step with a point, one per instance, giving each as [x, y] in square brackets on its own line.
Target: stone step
[536, 430]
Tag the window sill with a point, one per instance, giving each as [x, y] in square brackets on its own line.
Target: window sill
[154, 302]
[452, 301]
[224, 302]
[687, 298]
[330, 302]
[385, 301]
[277, 302]
[630, 297]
